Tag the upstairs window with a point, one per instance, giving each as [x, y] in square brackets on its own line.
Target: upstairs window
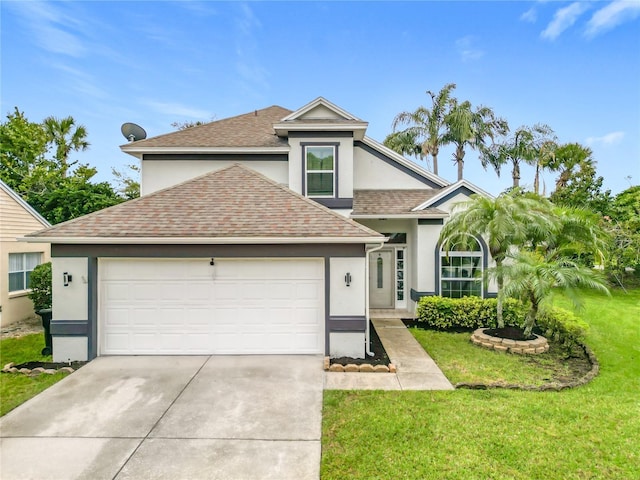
[320, 170]
[20, 267]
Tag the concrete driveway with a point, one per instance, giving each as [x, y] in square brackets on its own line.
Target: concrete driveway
[201, 417]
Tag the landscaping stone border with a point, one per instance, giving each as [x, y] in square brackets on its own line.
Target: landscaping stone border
[554, 386]
[9, 368]
[527, 347]
[352, 367]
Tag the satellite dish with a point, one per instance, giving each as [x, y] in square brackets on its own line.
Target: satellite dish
[133, 132]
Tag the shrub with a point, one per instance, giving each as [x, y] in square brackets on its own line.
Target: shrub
[563, 326]
[468, 312]
[474, 312]
[40, 285]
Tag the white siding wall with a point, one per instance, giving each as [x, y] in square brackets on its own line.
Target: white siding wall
[347, 300]
[370, 172]
[70, 302]
[159, 174]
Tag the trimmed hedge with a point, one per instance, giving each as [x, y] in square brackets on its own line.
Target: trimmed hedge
[442, 313]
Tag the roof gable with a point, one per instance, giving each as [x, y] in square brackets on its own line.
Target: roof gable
[231, 203]
[460, 187]
[320, 108]
[28, 209]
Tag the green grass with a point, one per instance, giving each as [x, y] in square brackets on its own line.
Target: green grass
[590, 432]
[461, 361]
[16, 389]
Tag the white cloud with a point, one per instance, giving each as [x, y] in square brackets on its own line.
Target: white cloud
[530, 15]
[52, 29]
[608, 139]
[467, 49]
[176, 109]
[615, 13]
[564, 18]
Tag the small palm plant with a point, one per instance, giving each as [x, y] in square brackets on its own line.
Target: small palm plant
[533, 278]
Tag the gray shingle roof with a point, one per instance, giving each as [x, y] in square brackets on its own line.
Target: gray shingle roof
[393, 202]
[254, 129]
[232, 202]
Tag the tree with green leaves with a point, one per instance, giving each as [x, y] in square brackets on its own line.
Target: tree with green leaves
[504, 222]
[578, 185]
[65, 136]
[127, 186]
[530, 145]
[469, 128]
[427, 125]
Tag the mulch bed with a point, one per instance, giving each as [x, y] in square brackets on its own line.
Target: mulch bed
[50, 365]
[379, 358]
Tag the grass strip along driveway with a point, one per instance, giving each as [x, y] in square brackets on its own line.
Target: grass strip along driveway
[17, 388]
[583, 433]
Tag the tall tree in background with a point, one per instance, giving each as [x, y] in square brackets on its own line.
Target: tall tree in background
[48, 184]
[65, 136]
[530, 145]
[466, 127]
[406, 143]
[127, 186]
[427, 125]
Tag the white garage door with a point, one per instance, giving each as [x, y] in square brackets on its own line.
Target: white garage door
[187, 306]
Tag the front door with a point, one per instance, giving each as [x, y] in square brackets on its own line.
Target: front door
[381, 285]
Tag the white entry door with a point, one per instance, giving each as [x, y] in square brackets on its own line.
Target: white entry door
[188, 306]
[381, 286]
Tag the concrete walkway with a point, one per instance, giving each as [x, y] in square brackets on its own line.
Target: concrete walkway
[416, 370]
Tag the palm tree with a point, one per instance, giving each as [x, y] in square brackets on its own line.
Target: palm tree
[533, 278]
[405, 143]
[470, 128]
[567, 158]
[428, 125]
[65, 136]
[504, 222]
[531, 145]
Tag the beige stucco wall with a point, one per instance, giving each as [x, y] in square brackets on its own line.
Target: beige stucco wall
[15, 222]
[369, 172]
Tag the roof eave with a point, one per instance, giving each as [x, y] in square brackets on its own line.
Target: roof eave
[358, 129]
[133, 150]
[398, 215]
[452, 188]
[199, 240]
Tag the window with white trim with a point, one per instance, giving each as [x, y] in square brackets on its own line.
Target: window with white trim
[320, 170]
[461, 270]
[20, 267]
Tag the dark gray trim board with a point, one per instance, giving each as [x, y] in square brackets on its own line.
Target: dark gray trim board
[335, 202]
[327, 303]
[460, 190]
[204, 251]
[415, 295]
[356, 323]
[395, 164]
[93, 307]
[320, 134]
[430, 221]
[70, 328]
[222, 157]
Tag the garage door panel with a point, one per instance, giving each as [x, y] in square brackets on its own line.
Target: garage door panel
[185, 306]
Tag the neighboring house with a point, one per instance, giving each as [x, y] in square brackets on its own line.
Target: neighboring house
[17, 259]
[270, 232]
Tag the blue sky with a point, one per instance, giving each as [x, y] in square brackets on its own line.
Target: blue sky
[572, 65]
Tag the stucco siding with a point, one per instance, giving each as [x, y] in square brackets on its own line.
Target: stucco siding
[159, 174]
[370, 172]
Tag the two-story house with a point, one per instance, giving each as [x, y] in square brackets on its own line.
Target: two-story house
[275, 231]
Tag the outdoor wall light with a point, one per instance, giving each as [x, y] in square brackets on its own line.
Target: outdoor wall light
[212, 262]
[66, 279]
[347, 279]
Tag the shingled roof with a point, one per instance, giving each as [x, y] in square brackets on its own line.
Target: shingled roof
[234, 202]
[254, 129]
[393, 202]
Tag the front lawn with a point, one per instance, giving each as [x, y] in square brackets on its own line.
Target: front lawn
[17, 388]
[584, 433]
